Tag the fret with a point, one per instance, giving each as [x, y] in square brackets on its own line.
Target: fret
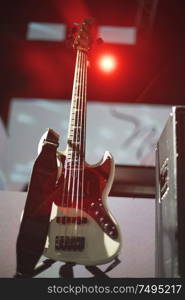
[75, 132]
[73, 144]
[76, 109]
[73, 160]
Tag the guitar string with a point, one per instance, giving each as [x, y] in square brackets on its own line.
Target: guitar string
[81, 148]
[81, 120]
[80, 157]
[75, 188]
[79, 160]
[83, 114]
[68, 159]
[76, 157]
[79, 136]
[84, 125]
[75, 130]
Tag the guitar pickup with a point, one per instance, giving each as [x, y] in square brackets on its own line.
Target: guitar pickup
[74, 220]
[69, 243]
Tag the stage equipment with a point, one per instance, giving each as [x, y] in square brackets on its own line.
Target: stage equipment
[170, 197]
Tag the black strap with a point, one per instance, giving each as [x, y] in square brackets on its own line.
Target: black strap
[39, 268]
[35, 222]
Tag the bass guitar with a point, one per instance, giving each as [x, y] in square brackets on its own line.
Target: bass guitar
[81, 228]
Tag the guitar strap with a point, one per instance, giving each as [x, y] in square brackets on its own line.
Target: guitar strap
[35, 222]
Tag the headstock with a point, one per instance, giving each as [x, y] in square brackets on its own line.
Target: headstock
[82, 35]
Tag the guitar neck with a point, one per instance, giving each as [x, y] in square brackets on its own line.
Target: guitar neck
[77, 123]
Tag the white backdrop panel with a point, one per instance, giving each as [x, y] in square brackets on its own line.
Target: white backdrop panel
[129, 132]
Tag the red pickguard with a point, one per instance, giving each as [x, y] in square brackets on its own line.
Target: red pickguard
[87, 196]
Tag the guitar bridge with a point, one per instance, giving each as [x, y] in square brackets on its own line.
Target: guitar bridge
[69, 243]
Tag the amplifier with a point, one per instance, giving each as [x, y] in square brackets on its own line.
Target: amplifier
[170, 197]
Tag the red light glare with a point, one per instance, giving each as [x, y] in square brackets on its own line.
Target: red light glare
[107, 63]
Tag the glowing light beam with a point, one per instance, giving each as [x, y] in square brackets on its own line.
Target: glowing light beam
[107, 63]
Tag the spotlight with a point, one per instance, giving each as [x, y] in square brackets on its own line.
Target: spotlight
[107, 63]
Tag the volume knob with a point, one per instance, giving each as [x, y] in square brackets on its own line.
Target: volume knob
[106, 225]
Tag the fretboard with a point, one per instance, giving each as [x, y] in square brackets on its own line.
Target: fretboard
[77, 124]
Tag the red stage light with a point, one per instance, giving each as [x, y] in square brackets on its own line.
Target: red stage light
[107, 63]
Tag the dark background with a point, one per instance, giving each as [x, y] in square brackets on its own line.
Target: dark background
[152, 71]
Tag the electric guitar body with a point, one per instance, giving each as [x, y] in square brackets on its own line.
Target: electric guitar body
[82, 229]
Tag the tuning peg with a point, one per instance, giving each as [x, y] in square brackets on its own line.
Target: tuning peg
[70, 36]
[99, 41]
[89, 20]
[74, 29]
[69, 41]
[76, 24]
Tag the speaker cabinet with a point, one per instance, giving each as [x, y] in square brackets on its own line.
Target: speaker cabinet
[170, 197]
